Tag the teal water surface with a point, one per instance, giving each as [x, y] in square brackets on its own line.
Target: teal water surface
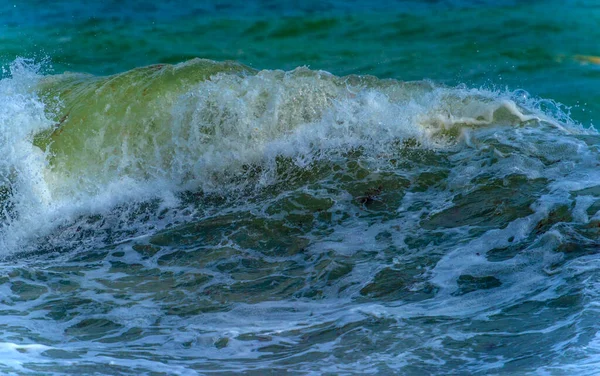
[267, 187]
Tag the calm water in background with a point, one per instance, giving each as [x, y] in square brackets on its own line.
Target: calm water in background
[213, 218]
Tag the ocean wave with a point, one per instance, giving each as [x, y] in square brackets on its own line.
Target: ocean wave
[195, 121]
[75, 143]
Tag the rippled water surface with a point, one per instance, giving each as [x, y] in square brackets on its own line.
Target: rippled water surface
[316, 188]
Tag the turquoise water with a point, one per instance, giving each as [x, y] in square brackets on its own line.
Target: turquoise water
[299, 188]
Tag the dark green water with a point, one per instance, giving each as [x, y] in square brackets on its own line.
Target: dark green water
[414, 199]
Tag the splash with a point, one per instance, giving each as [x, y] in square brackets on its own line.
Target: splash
[191, 123]
[77, 144]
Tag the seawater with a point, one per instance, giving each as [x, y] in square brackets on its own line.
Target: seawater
[390, 189]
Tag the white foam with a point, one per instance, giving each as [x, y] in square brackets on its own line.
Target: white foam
[216, 129]
[225, 124]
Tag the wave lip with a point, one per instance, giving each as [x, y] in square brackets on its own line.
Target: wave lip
[76, 144]
[190, 123]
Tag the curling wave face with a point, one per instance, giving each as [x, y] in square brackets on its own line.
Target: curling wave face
[201, 124]
[295, 217]
[195, 122]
